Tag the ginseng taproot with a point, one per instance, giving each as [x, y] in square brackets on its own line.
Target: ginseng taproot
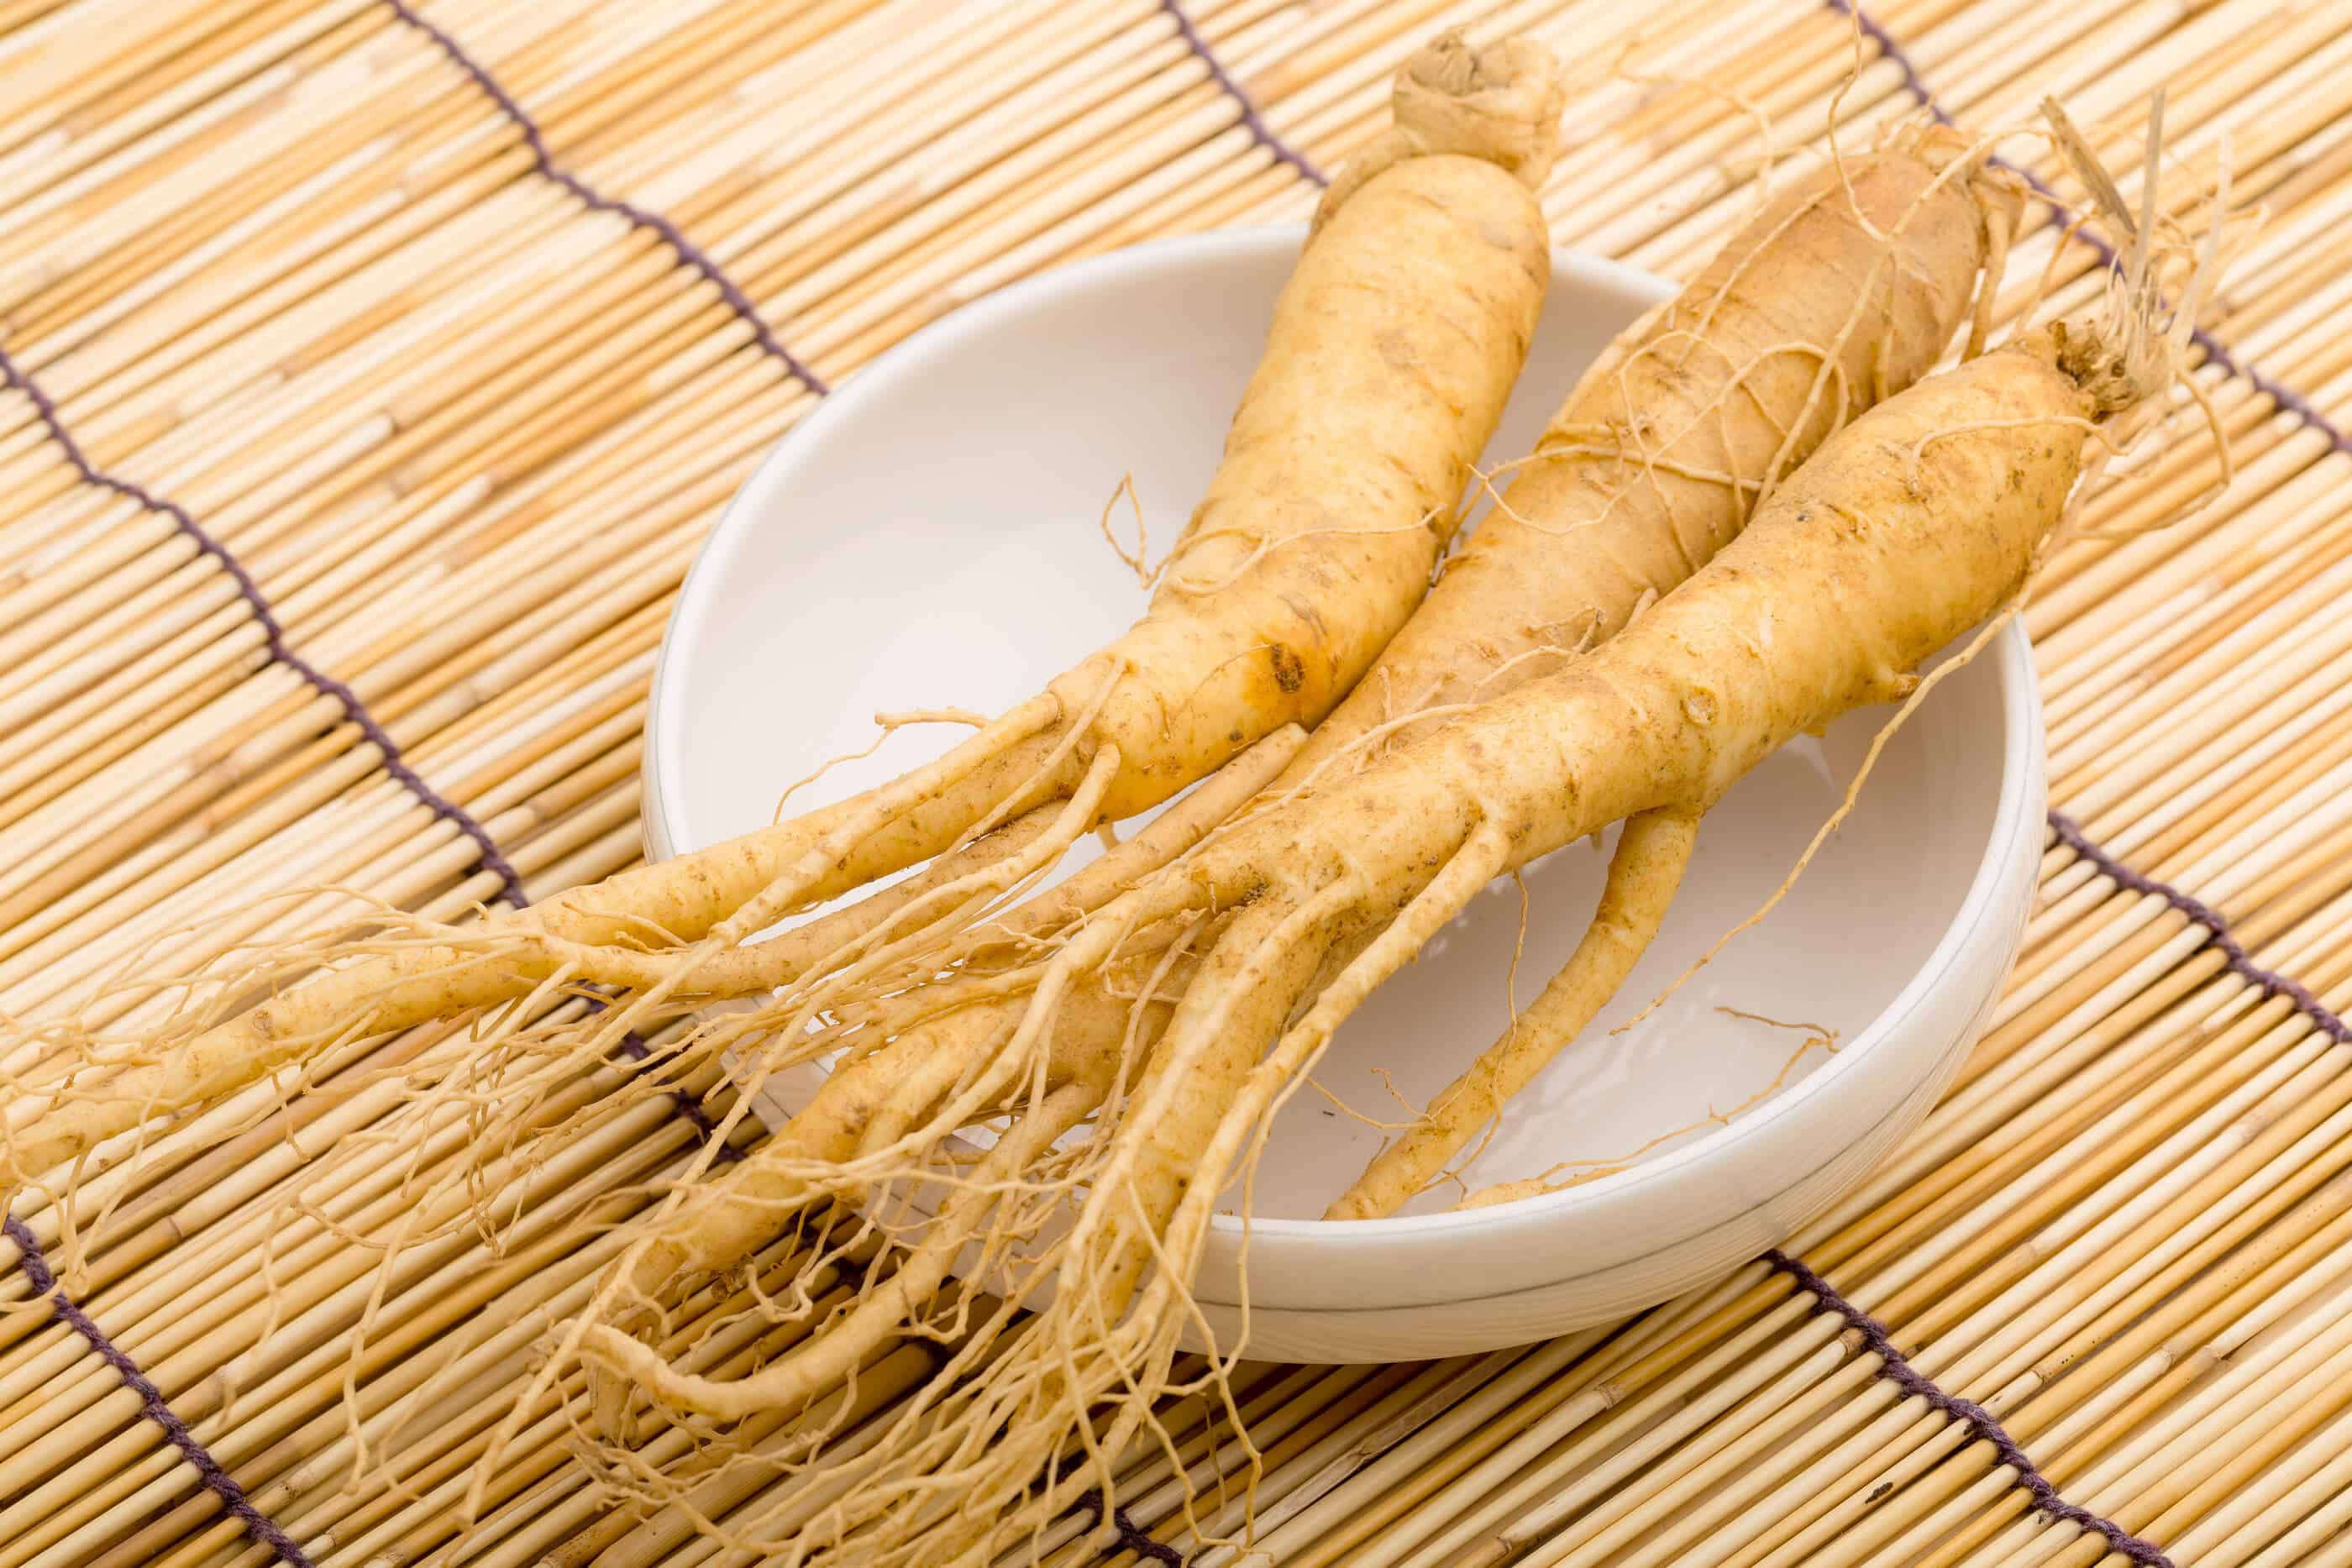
[1922, 518]
[1841, 290]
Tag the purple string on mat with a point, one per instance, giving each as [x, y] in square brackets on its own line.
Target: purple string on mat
[2217, 935]
[258, 1524]
[690, 255]
[273, 634]
[493, 859]
[1131, 1535]
[1253, 119]
[1893, 1367]
[685, 1105]
[2217, 353]
[1894, 54]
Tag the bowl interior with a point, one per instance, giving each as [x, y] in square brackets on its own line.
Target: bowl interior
[931, 539]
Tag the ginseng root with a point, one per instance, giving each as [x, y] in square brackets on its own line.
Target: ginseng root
[1842, 290]
[1659, 454]
[1920, 519]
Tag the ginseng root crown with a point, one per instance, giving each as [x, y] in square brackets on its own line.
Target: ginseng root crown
[1500, 104]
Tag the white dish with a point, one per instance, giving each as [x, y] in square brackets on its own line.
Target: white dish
[928, 537]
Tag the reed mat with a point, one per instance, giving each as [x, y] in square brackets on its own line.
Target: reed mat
[372, 370]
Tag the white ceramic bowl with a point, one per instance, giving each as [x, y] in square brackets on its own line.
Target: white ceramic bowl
[929, 538]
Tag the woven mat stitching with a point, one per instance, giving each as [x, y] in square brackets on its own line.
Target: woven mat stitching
[258, 1524]
[1253, 119]
[690, 255]
[1893, 1367]
[274, 642]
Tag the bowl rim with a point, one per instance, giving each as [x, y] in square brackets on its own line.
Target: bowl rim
[2014, 816]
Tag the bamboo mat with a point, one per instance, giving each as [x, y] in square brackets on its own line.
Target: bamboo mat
[369, 394]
